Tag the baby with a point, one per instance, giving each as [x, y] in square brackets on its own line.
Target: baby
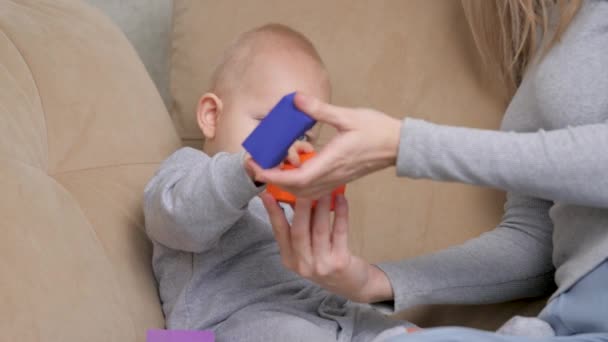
[215, 258]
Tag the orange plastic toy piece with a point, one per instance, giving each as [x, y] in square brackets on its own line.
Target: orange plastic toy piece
[286, 197]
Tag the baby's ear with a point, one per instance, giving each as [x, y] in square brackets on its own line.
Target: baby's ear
[207, 114]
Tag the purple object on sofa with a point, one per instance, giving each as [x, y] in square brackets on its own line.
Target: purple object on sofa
[158, 335]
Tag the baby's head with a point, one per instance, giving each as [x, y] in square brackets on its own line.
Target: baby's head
[256, 71]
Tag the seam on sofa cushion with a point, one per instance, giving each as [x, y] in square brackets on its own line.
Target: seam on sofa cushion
[46, 130]
[103, 167]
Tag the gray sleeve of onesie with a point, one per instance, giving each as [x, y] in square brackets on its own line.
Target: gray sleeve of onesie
[193, 199]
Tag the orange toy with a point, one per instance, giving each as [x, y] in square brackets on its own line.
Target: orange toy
[286, 197]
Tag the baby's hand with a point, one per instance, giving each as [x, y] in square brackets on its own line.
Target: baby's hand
[299, 146]
[247, 166]
[292, 156]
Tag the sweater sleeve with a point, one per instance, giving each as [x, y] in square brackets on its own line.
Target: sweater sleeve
[565, 165]
[193, 199]
[512, 261]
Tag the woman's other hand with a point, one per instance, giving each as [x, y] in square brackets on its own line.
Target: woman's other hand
[317, 249]
[366, 141]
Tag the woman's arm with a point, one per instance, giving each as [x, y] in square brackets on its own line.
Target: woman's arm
[510, 262]
[193, 199]
[566, 165]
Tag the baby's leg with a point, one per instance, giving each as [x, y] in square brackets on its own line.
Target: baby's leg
[270, 326]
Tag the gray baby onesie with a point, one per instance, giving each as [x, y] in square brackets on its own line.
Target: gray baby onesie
[218, 265]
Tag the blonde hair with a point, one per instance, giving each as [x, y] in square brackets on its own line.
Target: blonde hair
[506, 32]
[239, 55]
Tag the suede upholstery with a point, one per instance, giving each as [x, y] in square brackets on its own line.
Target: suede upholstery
[82, 129]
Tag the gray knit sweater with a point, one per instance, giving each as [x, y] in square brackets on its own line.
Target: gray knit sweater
[551, 156]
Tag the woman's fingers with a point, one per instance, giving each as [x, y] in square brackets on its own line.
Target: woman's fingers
[320, 110]
[339, 238]
[280, 227]
[300, 235]
[321, 230]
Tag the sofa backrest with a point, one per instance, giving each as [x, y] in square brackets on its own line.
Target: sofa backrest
[82, 129]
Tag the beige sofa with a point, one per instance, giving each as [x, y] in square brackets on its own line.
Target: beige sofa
[82, 129]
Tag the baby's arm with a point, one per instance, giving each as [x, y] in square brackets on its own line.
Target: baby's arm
[193, 199]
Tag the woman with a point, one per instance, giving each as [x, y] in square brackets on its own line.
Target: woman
[550, 156]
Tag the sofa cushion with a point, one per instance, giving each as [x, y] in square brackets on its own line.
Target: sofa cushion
[413, 58]
[82, 129]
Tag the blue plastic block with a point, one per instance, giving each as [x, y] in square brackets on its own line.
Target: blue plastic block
[269, 142]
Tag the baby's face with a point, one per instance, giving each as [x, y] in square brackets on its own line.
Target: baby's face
[269, 79]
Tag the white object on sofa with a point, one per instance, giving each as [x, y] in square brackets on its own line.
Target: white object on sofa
[147, 24]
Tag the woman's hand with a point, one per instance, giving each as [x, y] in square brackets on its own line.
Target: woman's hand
[366, 141]
[318, 250]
